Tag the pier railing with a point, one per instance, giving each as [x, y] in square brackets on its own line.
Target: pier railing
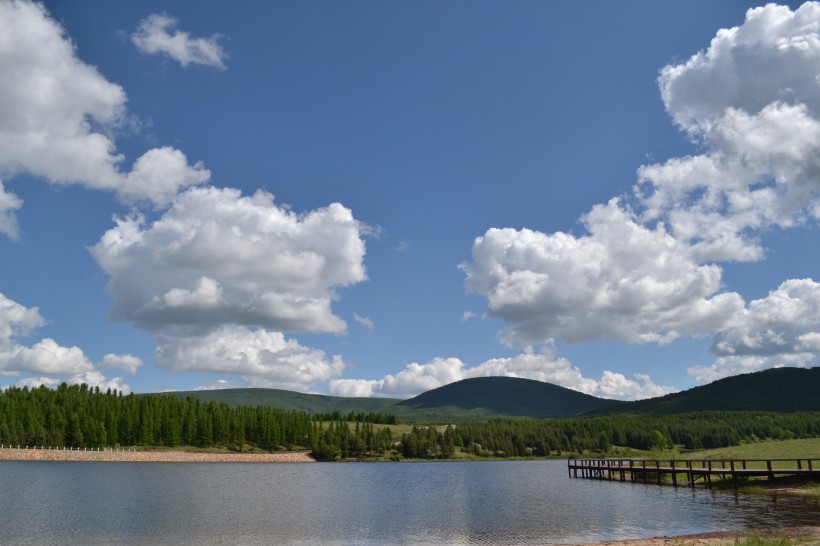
[691, 471]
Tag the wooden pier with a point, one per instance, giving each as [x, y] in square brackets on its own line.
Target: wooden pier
[691, 471]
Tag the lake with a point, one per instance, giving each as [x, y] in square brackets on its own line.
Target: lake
[520, 502]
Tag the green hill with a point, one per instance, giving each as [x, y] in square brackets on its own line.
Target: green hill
[292, 401]
[777, 390]
[483, 398]
[469, 400]
[508, 396]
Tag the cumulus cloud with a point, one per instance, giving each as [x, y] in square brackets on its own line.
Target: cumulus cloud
[646, 270]
[752, 98]
[17, 320]
[128, 363]
[543, 366]
[220, 276]
[92, 379]
[47, 356]
[158, 175]
[782, 329]
[623, 281]
[157, 34]
[217, 257]
[771, 57]
[56, 117]
[263, 358]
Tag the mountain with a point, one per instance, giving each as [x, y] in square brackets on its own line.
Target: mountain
[777, 390]
[293, 401]
[508, 396]
[482, 398]
[468, 400]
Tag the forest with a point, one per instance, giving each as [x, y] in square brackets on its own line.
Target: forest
[81, 417]
[556, 437]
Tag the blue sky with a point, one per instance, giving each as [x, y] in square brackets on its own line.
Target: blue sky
[379, 198]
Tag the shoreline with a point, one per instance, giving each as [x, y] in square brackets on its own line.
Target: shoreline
[169, 456]
[805, 535]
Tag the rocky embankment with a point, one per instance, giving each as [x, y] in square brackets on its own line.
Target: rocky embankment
[151, 456]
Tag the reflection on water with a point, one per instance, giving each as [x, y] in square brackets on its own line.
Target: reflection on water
[526, 502]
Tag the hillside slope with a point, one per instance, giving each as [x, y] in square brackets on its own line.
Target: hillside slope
[777, 390]
[508, 396]
[293, 401]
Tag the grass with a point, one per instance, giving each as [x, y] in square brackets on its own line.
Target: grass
[768, 449]
[762, 541]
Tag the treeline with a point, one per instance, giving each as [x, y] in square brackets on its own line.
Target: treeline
[545, 437]
[79, 416]
[377, 418]
[337, 441]
[428, 443]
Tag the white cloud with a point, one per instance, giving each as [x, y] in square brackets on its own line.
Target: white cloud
[216, 257]
[623, 281]
[9, 204]
[365, 321]
[16, 320]
[544, 366]
[92, 379]
[763, 169]
[158, 175]
[219, 276]
[156, 34]
[467, 315]
[414, 379]
[753, 99]
[45, 356]
[56, 117]
[206, 294]
[646, 271]
[35, 382]
[771, 57]
[48, 357]
[128, 363]
[263, 358]
[782, 329]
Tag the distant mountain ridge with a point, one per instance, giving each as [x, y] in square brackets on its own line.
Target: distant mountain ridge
[479, 399]
[292, 401]
[777, 390]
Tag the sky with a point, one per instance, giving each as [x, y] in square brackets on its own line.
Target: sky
[376, 198]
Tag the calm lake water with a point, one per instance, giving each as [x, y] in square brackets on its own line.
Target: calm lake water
[525, 502]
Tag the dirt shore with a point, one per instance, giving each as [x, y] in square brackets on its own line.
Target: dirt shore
[807, 536]
[151, 456]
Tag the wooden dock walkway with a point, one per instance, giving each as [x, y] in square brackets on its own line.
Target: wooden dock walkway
[691, 471]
